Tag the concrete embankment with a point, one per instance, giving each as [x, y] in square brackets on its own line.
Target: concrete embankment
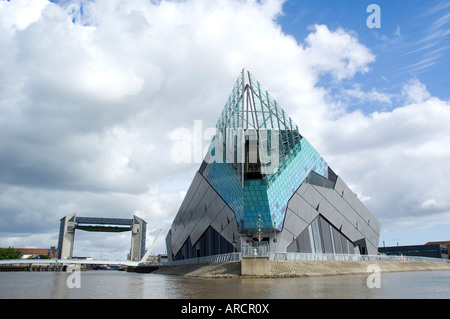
[209, 270]
[279, 269]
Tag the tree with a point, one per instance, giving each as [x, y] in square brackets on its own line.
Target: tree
[9, 253]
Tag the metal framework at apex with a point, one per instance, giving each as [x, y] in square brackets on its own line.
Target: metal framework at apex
[262, 181]
[69, 223]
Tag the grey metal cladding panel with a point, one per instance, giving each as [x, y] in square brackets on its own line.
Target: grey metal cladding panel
[356, 204]
[169, 245]
[222, 217]
[340, 186]
[368, 233]
[327, 210]
[191, 191]
[217, 205]
[338, 219]
[322, 190]
[176, 244]
[284, 239]
[293, 223]
[361, 231]
[179, 238]
[198, 226]
[331, 195]
[177, 228]
[366, 215]
[312, 196]
[305, 210]
[205, 214]
[204, 201]
[372, 238]
[199, 229]
[216, 224]
[346, 193]
[220, 221]
[343, 217]
[293, 202]
[196, 198]
[230, 231]
[196, 207]
[181, 222]
[341, 205]
[370, 219]
[348, 226]
[359, 207]
[302, 189]
[376, 226]
[209, 196]
[183, 214]
[184, 222]
[230, 213]
[202, 188]
[361, 217]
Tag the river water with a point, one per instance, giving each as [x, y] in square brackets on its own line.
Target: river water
[113, 284]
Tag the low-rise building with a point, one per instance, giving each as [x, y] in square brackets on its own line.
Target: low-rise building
[427, 250]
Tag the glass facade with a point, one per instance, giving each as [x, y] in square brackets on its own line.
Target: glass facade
[258, 159]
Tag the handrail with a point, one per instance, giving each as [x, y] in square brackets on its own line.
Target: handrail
[206, 259]
[348, 257]
[261, 252]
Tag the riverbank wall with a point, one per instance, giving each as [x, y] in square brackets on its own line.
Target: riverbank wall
[286, 268]
[37, 267]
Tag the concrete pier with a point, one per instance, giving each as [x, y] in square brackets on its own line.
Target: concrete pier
[255, 266]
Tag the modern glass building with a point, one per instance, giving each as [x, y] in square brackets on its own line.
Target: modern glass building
[262, 181]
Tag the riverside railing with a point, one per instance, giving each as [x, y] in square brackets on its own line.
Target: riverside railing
[262, 251]
[340, 257]
[206, 259]
[258, 249]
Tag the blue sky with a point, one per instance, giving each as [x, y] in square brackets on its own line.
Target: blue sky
[413, 40]
[91, 110]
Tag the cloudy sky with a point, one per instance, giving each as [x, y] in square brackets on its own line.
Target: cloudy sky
[95, 97]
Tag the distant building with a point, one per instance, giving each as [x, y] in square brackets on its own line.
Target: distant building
[262, 181]
[427, 250]
[157, 258]
[446, 243]
[34, 252]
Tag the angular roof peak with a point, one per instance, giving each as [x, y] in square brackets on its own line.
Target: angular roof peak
[250, 106]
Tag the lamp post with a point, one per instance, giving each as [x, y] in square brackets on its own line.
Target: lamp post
[259, 228]
[275, 236]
